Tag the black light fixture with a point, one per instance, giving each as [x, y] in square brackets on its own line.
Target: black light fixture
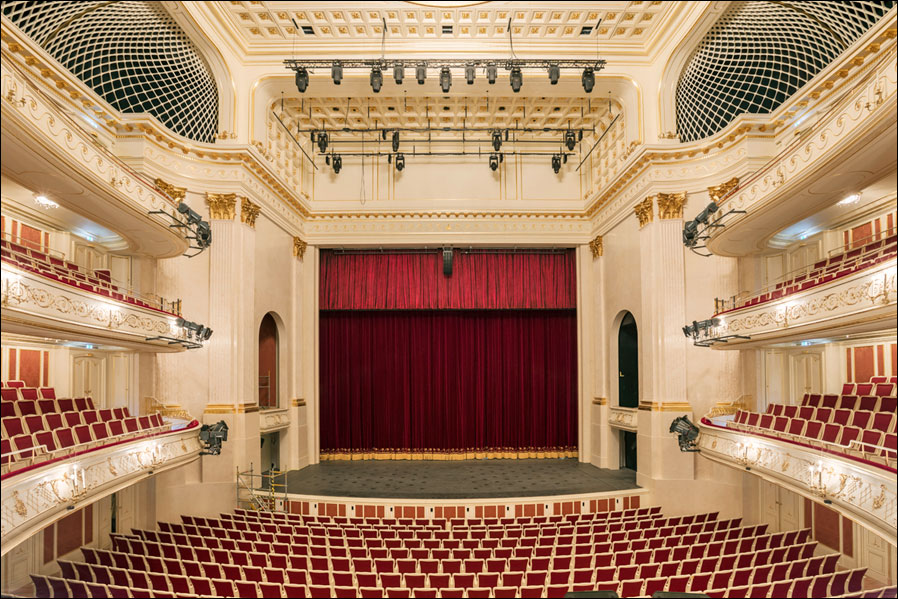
[302, 80]
[554, 74]
[445, 79]
[517, 79]
[395, 141]
[400, 162]
[421, 73]
[497, 139]
[337, 163]
[570, 139]
[494, 162]
[492, 72]
[556, 163]
[470, 73]
[589, 79]
[377, 79]
[337, 72]
[398, 73]
[322, 142]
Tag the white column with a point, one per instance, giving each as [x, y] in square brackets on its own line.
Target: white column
[310, 364]
[586, 343]
[296, 444]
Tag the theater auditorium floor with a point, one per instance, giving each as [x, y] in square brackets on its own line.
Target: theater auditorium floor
[468, 479]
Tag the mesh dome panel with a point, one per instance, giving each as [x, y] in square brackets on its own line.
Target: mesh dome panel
[760, 53]
[131, 53]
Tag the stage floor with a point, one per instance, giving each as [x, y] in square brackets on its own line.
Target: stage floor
[469, 479]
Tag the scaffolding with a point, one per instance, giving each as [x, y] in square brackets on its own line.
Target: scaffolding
[263, 492]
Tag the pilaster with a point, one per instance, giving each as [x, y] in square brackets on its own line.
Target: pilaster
[310, 366]
[661, 342]
[296, 444]
[586, 319]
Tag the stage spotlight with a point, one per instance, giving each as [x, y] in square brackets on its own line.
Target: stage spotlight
[556, 163]
[687, 433]
[589, 80]
[395, 141]
[377, 79]
[212, 436]
[337, 72]
[207, 334]
[203, 235]
[445, 79]
[322, 142]
[690, 234]
[494, 162]
[302, 80]
[470, 73]
[497, 140]
[398, 73]
[554, 73]
[400, 162]
[570, 139]
[516, 79]
[421, 73]
[491, 72]
[337, 163]
[705, 215]
[192, 216]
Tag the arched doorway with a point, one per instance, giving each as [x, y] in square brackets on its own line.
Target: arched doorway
[628, 383]
[268, 363]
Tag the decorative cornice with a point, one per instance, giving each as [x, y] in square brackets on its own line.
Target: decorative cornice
[299, 249]
[248, 212]
[644, 212]
[273, 419]
[623, 418]
[718, 193]
[175, 193]
[221, 205]
[597, 246]
[670, 205]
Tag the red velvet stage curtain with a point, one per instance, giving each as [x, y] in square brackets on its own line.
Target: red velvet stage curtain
[448, 384]
[485, 281]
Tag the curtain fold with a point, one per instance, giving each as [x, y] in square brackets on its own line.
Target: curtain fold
[448, 384]
[480, 281]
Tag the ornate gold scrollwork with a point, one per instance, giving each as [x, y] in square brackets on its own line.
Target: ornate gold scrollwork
[644, 212]
[718, 193]
[221, 205]
[175, 193]
[299, 247]
[597, 246]
[248, 212]
[670, 205]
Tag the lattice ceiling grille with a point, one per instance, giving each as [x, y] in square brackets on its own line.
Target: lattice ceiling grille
[627, 20]
[130, 52]
[760, 53]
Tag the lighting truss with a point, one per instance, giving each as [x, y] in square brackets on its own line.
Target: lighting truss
[462, 64]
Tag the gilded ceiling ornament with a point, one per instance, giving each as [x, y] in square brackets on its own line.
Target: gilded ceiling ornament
[299, 247]
[670, 205]
[719, 192]
[175, 193]
[248, 212]
[597, 246]
[644, 212]
[221, 205]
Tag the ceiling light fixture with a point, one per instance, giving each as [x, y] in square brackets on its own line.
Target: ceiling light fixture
[45, 202]
[589, 79]
[556, 163]
[337, 72]
[570, 139]
[400, 162]
[395, 141]
[302, 80]
[852, 199]
[398, 73]
[445, 79]
[497, 139]
[516, 79]
[492, 71]
[421, 73]
[470, 73]
[377, 79]
[554, 74]
[494, 162]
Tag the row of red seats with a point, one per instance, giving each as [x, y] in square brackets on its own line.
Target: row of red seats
[69, 273]
[35, 423]
[823, 272]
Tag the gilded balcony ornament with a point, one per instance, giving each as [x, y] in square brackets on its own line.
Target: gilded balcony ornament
[221, 205]
[175, 193]
[718, 193]
[299, 247]
[597, 246]
[670, 205]
[644, 212]
[248, 212]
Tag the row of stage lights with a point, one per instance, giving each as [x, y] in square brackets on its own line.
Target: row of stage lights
[398, 160]
[491, 70]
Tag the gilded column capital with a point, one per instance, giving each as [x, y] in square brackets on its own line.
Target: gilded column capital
[175, 193]
[670, 205]
[644, 212]
[248, 212]
[597, 246]
[221, 205]
[299, 247]
[719, 192]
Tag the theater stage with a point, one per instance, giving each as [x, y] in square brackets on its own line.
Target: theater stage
[469, 479]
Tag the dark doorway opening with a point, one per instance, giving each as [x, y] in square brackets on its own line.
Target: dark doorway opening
[628, 450]
[628, 363]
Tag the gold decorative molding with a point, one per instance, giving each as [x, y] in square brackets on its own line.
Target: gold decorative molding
[644, 212]
[298, 402]
[299, 249]
[218, 408]
[669, 135]
[600, 401]
[175, 193]
[221, 205]
[248, 212]
[670, 205]
[597, 246]
[719, 192]
[668, 406]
